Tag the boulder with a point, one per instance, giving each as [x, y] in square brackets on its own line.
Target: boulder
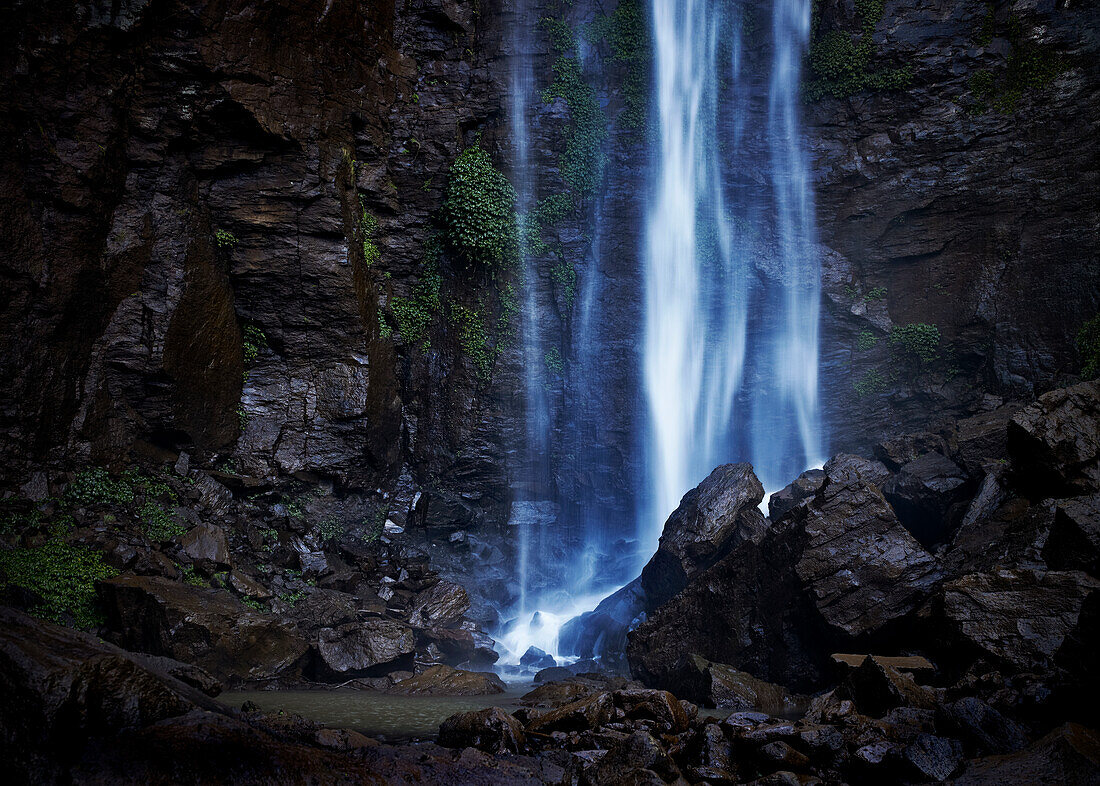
[461, 646]
[443, 680]
[638, 759]
[535, 658]
[804, 487]
[721, 686]
[932, 758]
[928, 496]
[490, 730]
[552, 674]
[366, 648]
[207, 627]
[653, 705]
[846, 467]
[589, 712]
[897, 452]
[1068, 754]
[711, 519]
[1018, 617]
[602, 631]
[557, 694]
[980, 726]
[1055, 442]
[876, 688]
[1074, 540]
[441, 606]
[206, 545]
[982, 438]
[910, 664]
[245, 585]
[861, 567]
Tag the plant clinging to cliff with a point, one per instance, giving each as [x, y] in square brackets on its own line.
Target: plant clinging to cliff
[479, 211]
[917, 340]
[840, 62]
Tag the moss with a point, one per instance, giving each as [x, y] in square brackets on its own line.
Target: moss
[554, 363]
[254, 604]
[368, 232]
[1031, 67]
[581, 161]
[415, 314]
[479, 211]
[1088, 346]
[190, 576]
[917, 341]
[474, 339]
[840, 61]
[61, 576]
[871, 383]
[225, 238]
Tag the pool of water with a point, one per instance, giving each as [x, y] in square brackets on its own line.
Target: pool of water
[394, 718]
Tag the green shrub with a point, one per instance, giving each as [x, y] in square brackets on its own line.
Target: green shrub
[565, 276]
[225, 238]
[368, 230]
[840, 63]
[479, 211]
[872, 382]
[917, 340]
[330, 528]
[415, 314]
[95, 486]
[63, 576]
[878, 293]
[866, 341]
[581, 162]
[474, 339]
[1088, 345]
[254, 342]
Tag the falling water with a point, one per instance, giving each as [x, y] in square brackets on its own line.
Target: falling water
[708, 316]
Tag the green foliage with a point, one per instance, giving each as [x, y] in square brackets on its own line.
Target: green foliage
[254, 342]
[292, 598]
[872, 382]
[581, 162]
[841, 62]
[415, 314]
[242, 417]
[866, 341]
[554, 363]
[225, 238]
[63, 576]
[479, 211]
[916, 341]
[330, 528]
[473, 339]
[254, 604]
[565, 276]
[508, 320]
[878, 293]
[547, 213]
[160, 525]
[190, 576]
[95, 486]
[1031, 67]
[626, 31]
[368, 231]
[1088, 345]
[560, 34]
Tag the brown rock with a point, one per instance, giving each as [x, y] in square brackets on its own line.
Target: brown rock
[443, 680]
[439, 607]
[491, 730]
[205, 544]
[1069, 754]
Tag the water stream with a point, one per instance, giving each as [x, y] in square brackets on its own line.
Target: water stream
[729, 286]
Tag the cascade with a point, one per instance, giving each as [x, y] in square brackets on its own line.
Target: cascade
[729, 287]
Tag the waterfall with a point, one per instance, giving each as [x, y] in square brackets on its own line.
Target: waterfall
[710, 314]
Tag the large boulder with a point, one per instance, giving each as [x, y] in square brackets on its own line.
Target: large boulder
[861, 567]
[1055, 442]
[440, 680]
[207, 627]
[491, 730]
[206, 545]
[1017, 617]
[712, 518]
[1069, 754]
[718, 685]
[929, 495]
[367, 648]
[836, 569]
[441, 606]
[601, 633]
[1074, 540]
[802, 488]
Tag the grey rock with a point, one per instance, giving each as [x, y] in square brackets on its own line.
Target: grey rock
[354, 648]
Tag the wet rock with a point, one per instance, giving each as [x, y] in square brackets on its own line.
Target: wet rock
[983, 438]
[846, 467]
[637, 759]
[490, 730]
[461, 646]
[602, 631]
[928, 496]
[712, 518]
[912, 664]
[1069, 754]
[440, 606]
[1074, 540]
[245, 585]
[876, 688]
[932, 758]
[552, 674]
[535, 658]
[654, 705]
[862, 568]
[802, 488]
[441, 680]
[556, 694]
[782, 754]
[357, 648]
[207, 627]
[1020, 617]
[323, 608]
[981, 726]
[205, 544]
[719, 685]
[586, 713]
[1055, 442]
[896, 452]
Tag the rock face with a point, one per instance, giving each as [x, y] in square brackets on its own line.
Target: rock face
[1055, 442]
[928, 495]
[201, 626]
[713, 517]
